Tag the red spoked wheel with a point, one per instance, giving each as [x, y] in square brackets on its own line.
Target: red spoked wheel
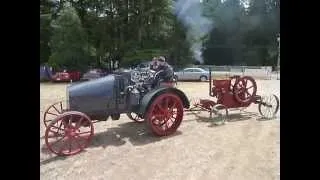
[165, 114]
[135, 117]
[69, 133]
[245, 89]
[53, 112]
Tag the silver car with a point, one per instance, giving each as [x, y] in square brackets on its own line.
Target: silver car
[192, 74]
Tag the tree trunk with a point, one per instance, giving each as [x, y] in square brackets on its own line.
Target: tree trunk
[140, 27]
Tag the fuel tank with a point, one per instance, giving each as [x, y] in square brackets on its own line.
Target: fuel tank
[96, 98]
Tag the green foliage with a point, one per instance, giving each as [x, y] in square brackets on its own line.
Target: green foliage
[179, 53]
[135, 57]
[45, 33]
[243, 36]
[94, 31]
[68, 44]
[45, 29]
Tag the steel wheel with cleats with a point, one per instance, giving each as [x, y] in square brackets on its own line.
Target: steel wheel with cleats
[269, 106]
[69, 133]
[220, 114]
[53, 112]
[165, 114]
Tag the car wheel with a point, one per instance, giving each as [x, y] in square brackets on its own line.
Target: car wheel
[203, 78]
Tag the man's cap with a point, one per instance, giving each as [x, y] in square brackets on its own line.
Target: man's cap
[162, 59]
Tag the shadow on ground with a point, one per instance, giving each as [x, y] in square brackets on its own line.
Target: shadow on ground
[138, 134]
[52, 159]
[133, 132]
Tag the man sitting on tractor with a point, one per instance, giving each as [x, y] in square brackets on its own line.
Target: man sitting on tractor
[154, 65]
[163, 70]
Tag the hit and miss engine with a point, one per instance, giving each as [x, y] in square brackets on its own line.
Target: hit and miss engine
[141, 82]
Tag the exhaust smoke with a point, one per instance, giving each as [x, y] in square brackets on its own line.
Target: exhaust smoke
[190, 13]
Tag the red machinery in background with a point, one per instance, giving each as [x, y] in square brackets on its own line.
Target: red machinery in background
[66, 76]
[234, 93]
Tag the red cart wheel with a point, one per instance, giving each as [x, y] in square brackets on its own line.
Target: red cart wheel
[69, 133]
[135, 117]
[53, 112]
[245, 89]
[165, 114]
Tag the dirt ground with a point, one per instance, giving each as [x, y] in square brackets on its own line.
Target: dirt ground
[245, 148]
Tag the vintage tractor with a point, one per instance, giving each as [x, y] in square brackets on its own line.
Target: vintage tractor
[69, 125]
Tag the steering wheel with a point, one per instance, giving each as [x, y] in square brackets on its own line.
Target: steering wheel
[156, 75]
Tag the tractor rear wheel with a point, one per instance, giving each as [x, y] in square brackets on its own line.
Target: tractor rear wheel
[165, 114]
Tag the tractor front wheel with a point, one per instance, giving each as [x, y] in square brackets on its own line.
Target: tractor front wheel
[69, 133]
